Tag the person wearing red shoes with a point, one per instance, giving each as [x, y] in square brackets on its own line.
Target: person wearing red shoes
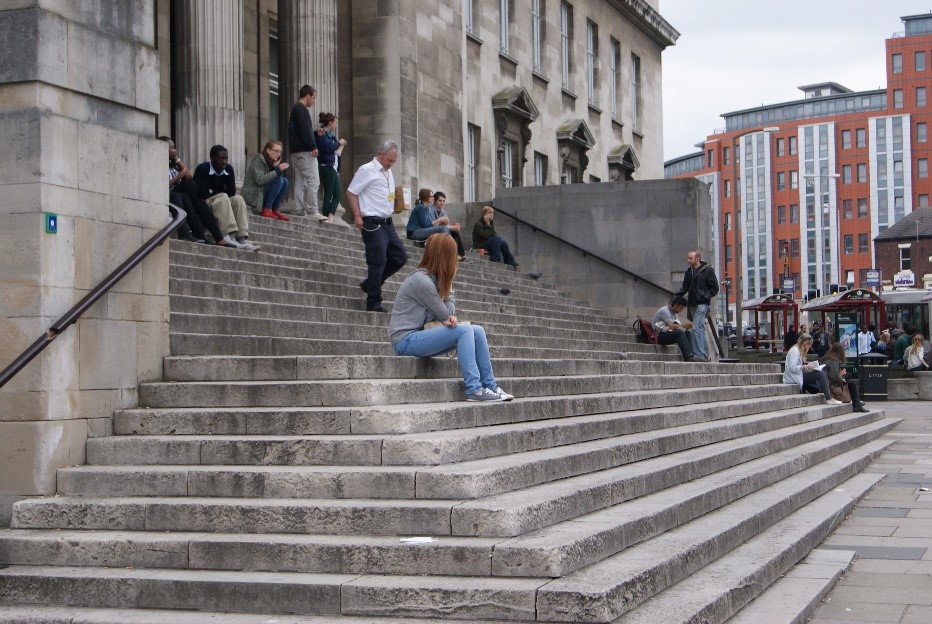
[264, 187]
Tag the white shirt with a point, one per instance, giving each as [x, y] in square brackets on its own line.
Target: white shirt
[375, 187]
[864, 342]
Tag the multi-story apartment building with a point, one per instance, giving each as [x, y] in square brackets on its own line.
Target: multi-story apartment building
[803, 187]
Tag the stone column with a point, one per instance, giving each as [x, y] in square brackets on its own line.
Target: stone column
[307, 32]
[207, 52]
[79, 97]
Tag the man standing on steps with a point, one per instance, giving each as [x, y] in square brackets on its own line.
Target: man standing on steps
[699, 285]
[371, 197]
[670, 330]
[303, 148]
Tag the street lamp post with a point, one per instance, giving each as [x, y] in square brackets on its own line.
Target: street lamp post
[739, 246]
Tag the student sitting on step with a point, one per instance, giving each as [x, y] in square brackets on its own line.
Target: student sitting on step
[484, 237]
[806, 376]
[427, 295]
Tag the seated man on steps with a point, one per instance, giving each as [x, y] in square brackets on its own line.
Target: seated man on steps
[216, 184]
[670, 330]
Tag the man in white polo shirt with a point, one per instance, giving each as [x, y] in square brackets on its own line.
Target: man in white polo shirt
[371, 197]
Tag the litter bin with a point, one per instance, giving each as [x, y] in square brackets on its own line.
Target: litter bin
[872, 373]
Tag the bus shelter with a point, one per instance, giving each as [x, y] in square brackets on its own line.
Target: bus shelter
[783, 313]
[859, 305]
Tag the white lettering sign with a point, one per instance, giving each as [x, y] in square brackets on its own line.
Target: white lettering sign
[904, 278]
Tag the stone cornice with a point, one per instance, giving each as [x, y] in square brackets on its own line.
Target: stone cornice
[648, 20]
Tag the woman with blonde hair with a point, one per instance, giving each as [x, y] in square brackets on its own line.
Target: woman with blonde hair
[427, 295]
[803, 374]
[915, 355]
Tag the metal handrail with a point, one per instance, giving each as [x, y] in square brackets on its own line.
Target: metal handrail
[586, 252]
[72, 315]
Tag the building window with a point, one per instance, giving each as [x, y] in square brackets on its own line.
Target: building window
[846, 139]
[921, 97]
[726, 155]
[781, 149]
[794, 247]
[794, 213]
[781, 215]
[472, 163]
[846, 174]
[922, 168]
[862, 207]
[923, 201]
[861, 137]
[849, 244]
[727, 254]
[537, 34]
[540, 169]
[728, 221]
[615, 71]
[468, 23]
[274, 115]
[847, 208]
[897, 98]
[862, 172]
[592, 63]
[726, 188]
[792, 146]
[897, 63]
[566, 48]
[863, 243]
[781, 180]
[636, 91]
[904, 259]
[508, 154]
[922, 132]
[504, 26]
[794, 179]
[920, 61]
[783, 247]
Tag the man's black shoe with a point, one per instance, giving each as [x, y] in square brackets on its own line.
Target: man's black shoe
[377, 308]
[362, 286]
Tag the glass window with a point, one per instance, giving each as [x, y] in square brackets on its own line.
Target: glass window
[726, 155]
[846, 139]
[849, 244]
[781, 148]
[710, 162]
[920, 58]
[504, 27]
[616, 78]
[920, 96]
[904, 259]
[794, 247]
[726, 188]
[781, 215]
[862, 172]
[922, 132]
[728, 221]
[794, 213]
[566, 35]
[897, 63]
[508, 153]
[923, 201]
[472, 163]
[922, 168]
[847, 208]
[862, 243]
[794, 179]
[592, 63]
[468, 16]
[846, 174]
[537, 34]
[897, 98]
[792, 146]
[862, 207]
[636, 91]
[861, 136]
[781, 180]
[727, 254]
[540, 169]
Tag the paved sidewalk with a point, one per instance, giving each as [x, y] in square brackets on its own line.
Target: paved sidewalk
[891, 530]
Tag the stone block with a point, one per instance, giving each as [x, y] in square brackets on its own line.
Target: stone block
[32, 452]
[104, 168]
[55, 151]
[924, 386]
[147, 78]
[151, 347]
[89, 51]
[20, 133]
[107, 354]
[99, 248]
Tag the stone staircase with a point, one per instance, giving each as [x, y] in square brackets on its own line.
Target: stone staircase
[290, 469]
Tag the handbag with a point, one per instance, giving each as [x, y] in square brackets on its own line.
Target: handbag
[840, 392]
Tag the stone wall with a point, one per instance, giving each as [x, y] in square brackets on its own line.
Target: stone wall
[79, 98]
[645, 227]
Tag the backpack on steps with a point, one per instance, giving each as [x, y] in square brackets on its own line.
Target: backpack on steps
[645, 331]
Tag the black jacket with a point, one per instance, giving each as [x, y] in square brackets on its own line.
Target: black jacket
[699, 285]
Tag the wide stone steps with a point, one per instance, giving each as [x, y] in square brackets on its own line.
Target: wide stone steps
[413, 418]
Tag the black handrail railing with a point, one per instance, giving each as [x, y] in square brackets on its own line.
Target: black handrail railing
[586, 252]
[72, 315]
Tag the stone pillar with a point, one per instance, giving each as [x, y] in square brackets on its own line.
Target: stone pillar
[79, 97]
[307, 32]
[207, 51]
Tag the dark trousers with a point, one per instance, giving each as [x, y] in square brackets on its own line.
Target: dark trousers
[498, 249]
[853, 391]
[680, 338]
[817, 381]
[330, 180]
[200, 215]
[460, 250]
[385, 254]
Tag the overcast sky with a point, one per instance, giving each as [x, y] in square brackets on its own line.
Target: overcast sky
[737, 54]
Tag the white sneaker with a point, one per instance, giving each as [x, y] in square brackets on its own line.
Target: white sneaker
[484, 395]
[505, 396]
[230, 242]
[320, 217]
[834, 402]
[246, 245]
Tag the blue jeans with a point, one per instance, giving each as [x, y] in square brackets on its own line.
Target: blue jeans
[421, 234]
[274, 192]
[472, 351]
[697, 333]
[385, 254]
[498, 249]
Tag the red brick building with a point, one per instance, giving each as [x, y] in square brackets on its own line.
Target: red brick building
[904, 251]
[816, 180]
